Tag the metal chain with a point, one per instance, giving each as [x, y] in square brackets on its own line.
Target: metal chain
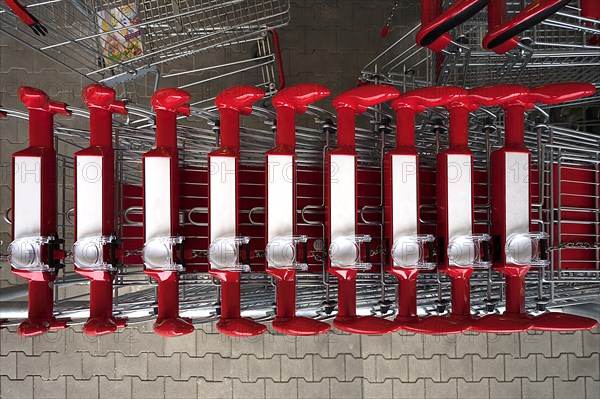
[394, 9]
[574, 245]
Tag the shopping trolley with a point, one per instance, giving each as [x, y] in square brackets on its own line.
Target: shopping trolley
[132, 45]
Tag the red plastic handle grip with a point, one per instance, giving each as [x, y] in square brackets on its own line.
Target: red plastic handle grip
[101, 102]
[239, 98]
[557, 93]
[231, 102]
[168, 103]
[356, 101]
[433, 33]
[360, 98]
[172, 100]
[35, 99]
[41, 113]
[530, 16]
[502, 95]
[97, 96]
[294, 100]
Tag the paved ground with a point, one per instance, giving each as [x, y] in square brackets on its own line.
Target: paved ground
[327, 42]
[138, 363]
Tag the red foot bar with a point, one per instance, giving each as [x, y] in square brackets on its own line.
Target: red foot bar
[35, 252]
[282, 240]
[94, 252]
[161, 212]
[344, 258]
[224, 239]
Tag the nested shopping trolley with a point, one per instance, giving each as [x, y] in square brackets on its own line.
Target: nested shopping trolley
[136, 45]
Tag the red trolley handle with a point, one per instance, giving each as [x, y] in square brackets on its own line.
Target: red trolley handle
[231, 103]
[25, 16]
[41, 112]
[530, 16]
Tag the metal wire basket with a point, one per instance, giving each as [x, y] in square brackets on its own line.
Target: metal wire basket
[120, 42]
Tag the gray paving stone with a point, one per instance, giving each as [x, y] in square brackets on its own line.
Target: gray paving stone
[584, 366]
[147, 343]
[279, 344]
[536, 389]
[440, 344]
[391, 368]
[591, 343]
[404, 343]
[197, 366]
[552, 367]
[131, 365]
[248, 390]
[11, 342]
[313, 390]
[567, 343]
[592, 388]
[363, 368]
[317, 344]
[519, 367]
[49, 389]
[248, 346]
[376, 345]
[488, 368]
[344, 344]
[52, 341]
[212, 343]
[345, 389]
[377, 390]
[473, 389]
[77, 389]
[264, 368]
[67, 363]
[569, 389]
[183, 344]
[98, 365]
[8, 365]
[501, 389]
[181, 389]
[282, 390]
[115, 389]
[296, 368]
[33, 365]
[16, 388]
[535, 342]
[333, 367]
[424, 368]
[148, 388]
[230, 368]
[455, 368]
[164, 366]
[471, 343]
[76, 341]
[119, 341]
[408, 390]
[499, 344]
[215, 389]
[441, 390]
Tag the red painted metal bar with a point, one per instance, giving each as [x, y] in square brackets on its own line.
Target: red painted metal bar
[94, 209]
[161, 211]
[280, 228]
[223, 210]
[590, 9]
[28, 19]
[533, 14]
[435, 25]
[32, 252]
[511, 205]
[344, 243]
